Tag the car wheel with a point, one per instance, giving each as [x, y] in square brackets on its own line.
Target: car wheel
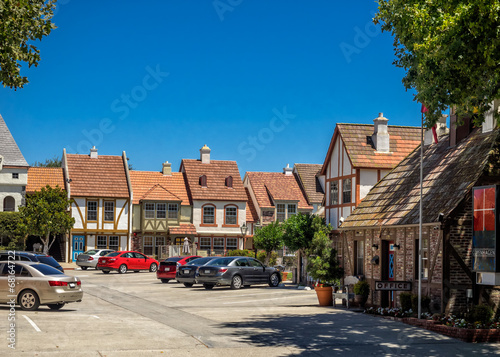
[208, 286]
[29, 300]
[122, 269]
[153, 267]
[236, 282]
[165, 281]
[84, 268]
[105, 271]
[274, 280]
[56, 306]
[188, 285]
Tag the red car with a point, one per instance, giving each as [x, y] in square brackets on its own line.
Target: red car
[168, 267]
[126, 260]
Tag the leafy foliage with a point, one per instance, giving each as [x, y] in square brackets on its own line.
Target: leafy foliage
[450, 51]
[299, 230]
[269, 238]
[46, 213]
[405, 300]
[11, 229]
[22, 21]
[54, 162]
[269, 260]
[362, 288]
[481, 314]
[322, 263]
[241, 253]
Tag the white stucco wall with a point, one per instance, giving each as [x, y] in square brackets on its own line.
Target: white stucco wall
[80, 203]
[367, 179]
[219, 217]
[10, 187]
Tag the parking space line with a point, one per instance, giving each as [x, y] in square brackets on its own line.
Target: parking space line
[97, 317]
[247, 301]
[32, 323]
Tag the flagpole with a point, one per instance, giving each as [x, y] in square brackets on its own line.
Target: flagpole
[420, 215]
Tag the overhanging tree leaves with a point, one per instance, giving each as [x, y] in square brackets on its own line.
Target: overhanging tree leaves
[269, 238]
[450, 50]
[322, 262]
[46, 215]
[11, 229]
[22, 21]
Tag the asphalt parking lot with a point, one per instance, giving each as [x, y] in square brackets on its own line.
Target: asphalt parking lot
[136, 315]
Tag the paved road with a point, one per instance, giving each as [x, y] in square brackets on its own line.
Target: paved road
[135, 315]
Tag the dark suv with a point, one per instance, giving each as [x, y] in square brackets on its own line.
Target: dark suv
[32, 257]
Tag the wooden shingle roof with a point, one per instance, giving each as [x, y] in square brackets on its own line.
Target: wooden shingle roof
[307, 174]
[101, 177]
[12, 156]
[143, 183]
[252, 215]
[39, 177]
[272, 186]
[449, 173]
[402, 141]
[216, 172]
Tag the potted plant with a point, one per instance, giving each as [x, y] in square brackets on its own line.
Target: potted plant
[361, 292]
[323, 267]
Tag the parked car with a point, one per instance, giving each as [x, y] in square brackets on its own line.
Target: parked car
[237, 272]
[89, 258]
[32, 257]
[37, 284]
[123, 261]
[168, 268]
[186, 274]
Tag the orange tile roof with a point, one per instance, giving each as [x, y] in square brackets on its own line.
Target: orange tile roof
[184, 228]
[272, 186]
[307, 174]
[403, 140]
[39, 177]
[216, 172]
[154, 182]
[101, 177]
[252, 215]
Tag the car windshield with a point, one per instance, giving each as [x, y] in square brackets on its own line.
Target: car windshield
[222, 261]
[46, 269]
[48, 260]
[91, 252]
[114, 254]
[175, 259]
[200, 261]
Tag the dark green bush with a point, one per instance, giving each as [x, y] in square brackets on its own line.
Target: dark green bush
[482, 314]
[362, 287]
[241, 253]
[426, 303]
[406, 301]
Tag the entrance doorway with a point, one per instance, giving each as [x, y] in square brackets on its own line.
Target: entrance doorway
[78, 246]
[388, 272]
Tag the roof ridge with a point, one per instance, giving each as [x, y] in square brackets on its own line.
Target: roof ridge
[160, 186]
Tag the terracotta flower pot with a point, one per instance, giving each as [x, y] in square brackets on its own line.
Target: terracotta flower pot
[324, 294]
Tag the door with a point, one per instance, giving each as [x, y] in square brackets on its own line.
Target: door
[388, 272]
[244, 270]
[78, 246]
[259, 274]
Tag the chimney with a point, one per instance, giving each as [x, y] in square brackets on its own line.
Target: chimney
[205, 155]
[93, 153]
[167, 169]
[440, 129]
[380, 135]
[489, 117]
[287, 170]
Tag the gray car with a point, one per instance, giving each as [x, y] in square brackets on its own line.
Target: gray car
[90, 258]
[31, 284]
[237, 272]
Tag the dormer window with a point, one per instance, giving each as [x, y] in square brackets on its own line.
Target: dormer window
[229, 181]
[203, 181]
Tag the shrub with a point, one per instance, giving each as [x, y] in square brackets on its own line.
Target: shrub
[261, 255]
[362, 288]
[406, 301]
[241, 253]
[426, 303]
[481, 313]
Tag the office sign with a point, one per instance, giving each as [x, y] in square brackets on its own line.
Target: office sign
[393, 285]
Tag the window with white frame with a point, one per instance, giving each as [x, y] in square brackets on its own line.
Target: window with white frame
[109, 211]
[91, 210]
[148, 245]
[205, 243]
[102, 242]
[114, 242]
[149, 210]
[334, 193]
[280, 212]
[291, 210]
[208, 215]
[161, 210]
[173, 210]
[231, 215]
[232, 243]
[425, 258]
[346, 191]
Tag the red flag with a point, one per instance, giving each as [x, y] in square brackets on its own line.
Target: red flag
[434, 134]
[424, 109]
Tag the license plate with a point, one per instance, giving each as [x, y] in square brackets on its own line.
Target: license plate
[186, 271]
[72, 285]
[104, 260]
[207, 271]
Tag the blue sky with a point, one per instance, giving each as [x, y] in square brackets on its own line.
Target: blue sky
[259, 82]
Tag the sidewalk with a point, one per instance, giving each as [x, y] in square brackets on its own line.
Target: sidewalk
[69, 266]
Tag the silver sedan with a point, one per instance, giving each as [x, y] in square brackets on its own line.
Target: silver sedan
[90, 258]
[31, 284]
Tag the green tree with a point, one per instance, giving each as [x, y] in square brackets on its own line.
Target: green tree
[322, 262]
[22, 21]
[269, 238]
[54, 162]
[450, 51]
[11, 230]
[46, 214]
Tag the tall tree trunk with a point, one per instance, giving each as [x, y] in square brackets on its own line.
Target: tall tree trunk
[46, 241]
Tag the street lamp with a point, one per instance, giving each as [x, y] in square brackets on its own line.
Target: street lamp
[244, 230]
